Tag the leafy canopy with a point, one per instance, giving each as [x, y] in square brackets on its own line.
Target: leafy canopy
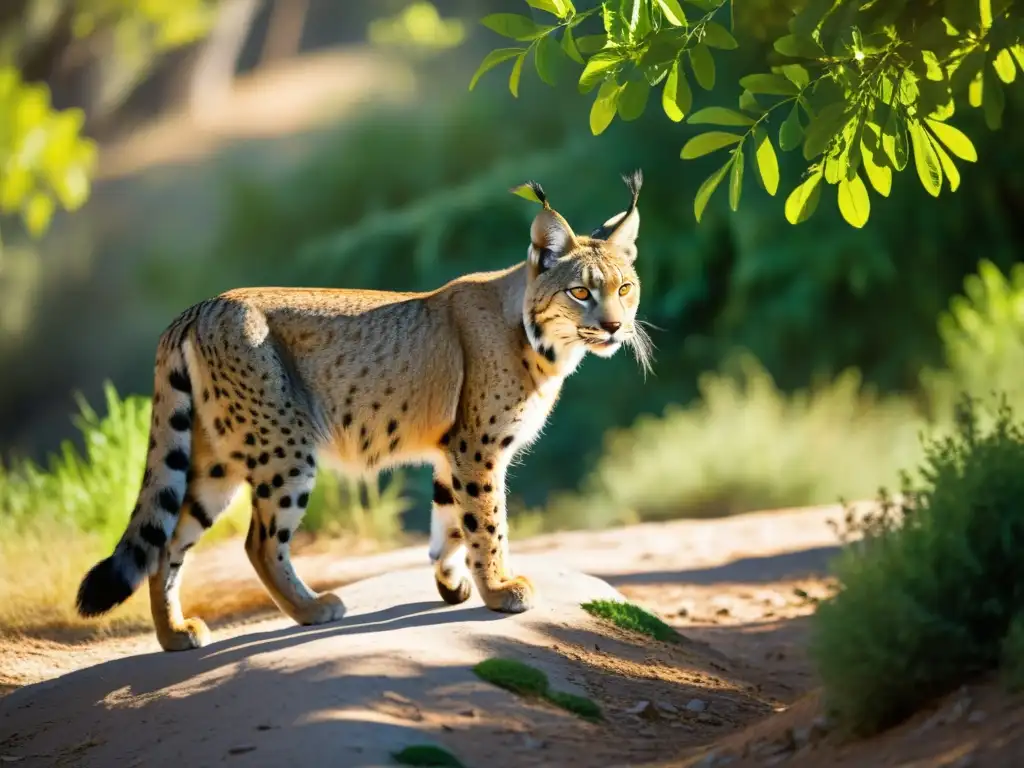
[45, 160]
[862, 88]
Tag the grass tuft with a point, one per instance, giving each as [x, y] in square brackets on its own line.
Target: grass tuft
[930, 589]
[632, 617]
[513, 676]
[427, 755]
[530, 682]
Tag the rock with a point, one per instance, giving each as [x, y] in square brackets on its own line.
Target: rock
[664, 706]
[644, 709]
[696, 705]
[529, 742]
[708, 719]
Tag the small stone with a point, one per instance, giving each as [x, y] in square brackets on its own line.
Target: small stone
[643, 709]
[468, 712]
[242, 749]
[696, 705]
[263, 727]
[529, 742]
[664, 706]
[683, 611]
[801, 737]
[723, 611]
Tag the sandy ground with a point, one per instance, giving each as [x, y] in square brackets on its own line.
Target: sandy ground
[397, 669]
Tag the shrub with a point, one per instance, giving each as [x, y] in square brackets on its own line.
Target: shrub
[746, 445]
[933, 591]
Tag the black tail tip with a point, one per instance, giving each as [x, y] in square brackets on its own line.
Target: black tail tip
[103, 588]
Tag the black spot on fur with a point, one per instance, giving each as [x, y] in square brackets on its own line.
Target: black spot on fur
[469, 522]
[180, 381]
[168, 500]
[473, 489]
[487, 488]
[549, 353]
[250, 439]
[478, 456]
[153, 535]
[279, 452]
[264, 457]
[346, 420]
[303, 500]
[309, 460]
[392, 426]
[263, 531]
[506, 441]
[277, 481]
[462, 446]
[446, 438]
[250, 462]
[272, 530]
[294, 472]
[442, 494]
[198, 511]
[491, 529]
[217, 470]
[177, 460]
[393, 445]
[283, 535]
[285, 502]
[263, 491]
[456, 484]
[485, 439]
[181, 421]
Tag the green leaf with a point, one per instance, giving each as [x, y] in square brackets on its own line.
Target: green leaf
[799, 47]
[676, 97]
[791, 133]
[748, 103]
[515, 26]
[719, 116]
[767, 162]
[569, 46]
[37, 213]
[736, 178]
[707, 143]
[823, 127]
[803, 201]
[547, 56]
[985, 14]
[954, 139]
[933, 69]
[591, 43]
[894, 141]
[880, 176]
[493, 59]
[526, 192]
[633, 97]
[602, 112]
[993, 102]
[854, 203]
[717, 36]
[929, 168]
[770, 85]
[597, 69]
[555, 7]
[673, 12]
[948, 167]
[796, 74]
[1004, 66]
[517, 73]
[703, 66]
[706, 189]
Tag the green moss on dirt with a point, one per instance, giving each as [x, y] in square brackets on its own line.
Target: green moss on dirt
[633, 618]
[520, 678]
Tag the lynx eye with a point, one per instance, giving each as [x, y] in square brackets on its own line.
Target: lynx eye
[580, 293]
[625, 288]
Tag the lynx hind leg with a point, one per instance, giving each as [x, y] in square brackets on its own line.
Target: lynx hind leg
[281, 488]
[447, 543]
[212, 486]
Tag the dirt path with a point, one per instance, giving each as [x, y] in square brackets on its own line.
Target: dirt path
[737, 689]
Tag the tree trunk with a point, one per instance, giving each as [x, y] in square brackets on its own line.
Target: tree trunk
[284, 30]
[214, 69]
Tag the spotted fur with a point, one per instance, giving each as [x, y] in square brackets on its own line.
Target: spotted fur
[258, 386]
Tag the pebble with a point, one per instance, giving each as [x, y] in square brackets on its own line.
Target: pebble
[644, 709]
[664, 706]
[696, 705]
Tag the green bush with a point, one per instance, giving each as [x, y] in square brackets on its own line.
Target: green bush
[932, 592]
[92, 491]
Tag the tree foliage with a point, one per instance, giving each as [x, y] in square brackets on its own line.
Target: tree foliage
[45, 160]
[862, 88]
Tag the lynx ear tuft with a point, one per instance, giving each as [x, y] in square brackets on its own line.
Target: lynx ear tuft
[622, 228]
[531, 190]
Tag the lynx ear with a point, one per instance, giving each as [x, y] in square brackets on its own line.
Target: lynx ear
[623, 228]
[551, 237]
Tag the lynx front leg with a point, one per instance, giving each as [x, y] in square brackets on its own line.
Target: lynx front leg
[480, 492]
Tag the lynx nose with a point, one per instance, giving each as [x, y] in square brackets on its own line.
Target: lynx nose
[611, 326]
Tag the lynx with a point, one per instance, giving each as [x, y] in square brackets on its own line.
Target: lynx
[259, 385]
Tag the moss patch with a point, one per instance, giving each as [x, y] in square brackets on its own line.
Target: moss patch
[522, 679]
[633, 618]
[426, 754]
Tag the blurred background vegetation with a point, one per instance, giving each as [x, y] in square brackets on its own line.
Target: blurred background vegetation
[310, 142]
